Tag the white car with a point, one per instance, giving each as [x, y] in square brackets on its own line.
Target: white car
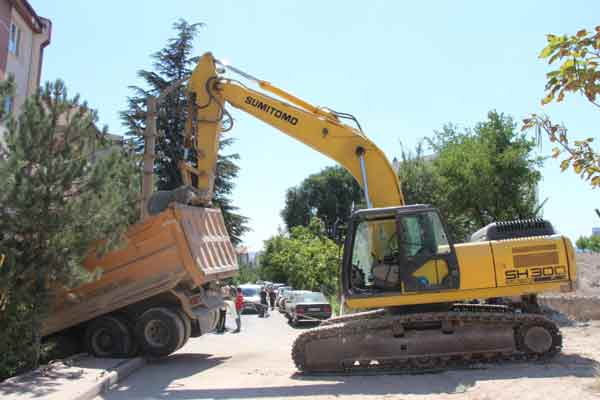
[251, 295]
[282, 297]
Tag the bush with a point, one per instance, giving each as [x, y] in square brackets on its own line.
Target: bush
[305, 258]
[589, 243]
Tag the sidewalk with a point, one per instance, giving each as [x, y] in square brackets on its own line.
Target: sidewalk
[80, 377]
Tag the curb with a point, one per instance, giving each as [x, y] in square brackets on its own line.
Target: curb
[112, 377]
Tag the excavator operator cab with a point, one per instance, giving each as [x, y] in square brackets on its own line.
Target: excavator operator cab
[398, 249]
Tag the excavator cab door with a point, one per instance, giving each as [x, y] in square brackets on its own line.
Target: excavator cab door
[425, 255]
[402, 249]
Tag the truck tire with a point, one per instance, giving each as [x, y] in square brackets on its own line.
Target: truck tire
[109, 336]
[134, 349]
[187, 325]
[160, 331]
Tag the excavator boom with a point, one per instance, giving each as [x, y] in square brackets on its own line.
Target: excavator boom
[315, 127]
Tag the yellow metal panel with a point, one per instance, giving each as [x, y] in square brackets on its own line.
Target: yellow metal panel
[570, 258]
[530, 260]
[429, 270]
[428, 297]
[335, 140]
[476, 264]
[208, 124]
[434, 270]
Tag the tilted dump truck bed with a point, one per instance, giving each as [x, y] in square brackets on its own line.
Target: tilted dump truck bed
[182, 246]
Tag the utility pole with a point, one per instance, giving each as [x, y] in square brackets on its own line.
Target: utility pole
[150, 134]
[149, 153]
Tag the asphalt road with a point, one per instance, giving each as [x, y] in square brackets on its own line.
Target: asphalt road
[256, 364]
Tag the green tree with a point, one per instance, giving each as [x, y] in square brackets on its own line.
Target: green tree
[328, 195]
[171, 64]
[417, 176]
[247, 274]
[305, 258]
[475, 176]
[591, 243]
[486, 174]
[577, 57]
[57, 198]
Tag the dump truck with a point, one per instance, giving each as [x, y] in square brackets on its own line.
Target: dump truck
[155, 291]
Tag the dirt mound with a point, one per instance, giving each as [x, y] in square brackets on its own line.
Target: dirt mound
[584, 303]
[588, 274]
[580, 308]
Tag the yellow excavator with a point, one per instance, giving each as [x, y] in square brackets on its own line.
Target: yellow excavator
[430, 303]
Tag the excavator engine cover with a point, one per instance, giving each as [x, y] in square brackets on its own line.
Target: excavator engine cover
[513, 229]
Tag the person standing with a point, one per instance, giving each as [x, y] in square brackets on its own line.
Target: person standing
[239, 302]
[272, 296]
[225, 294]
[264, 309]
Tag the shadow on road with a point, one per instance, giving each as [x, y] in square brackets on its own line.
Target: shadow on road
[304, 324]
[163, 372]
[306, 386]
[35, 385]
[185, 364]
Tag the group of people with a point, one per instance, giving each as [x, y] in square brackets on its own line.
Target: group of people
[267, 299]
[233, 301]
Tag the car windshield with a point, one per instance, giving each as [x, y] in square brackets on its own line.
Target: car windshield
[312, 298]
[249, 292]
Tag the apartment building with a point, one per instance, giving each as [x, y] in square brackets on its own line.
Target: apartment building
[23, 37]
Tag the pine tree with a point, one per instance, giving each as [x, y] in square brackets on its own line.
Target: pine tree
[58, 197]
[174, 62]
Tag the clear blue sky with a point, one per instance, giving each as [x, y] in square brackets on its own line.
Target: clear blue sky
[404, 68]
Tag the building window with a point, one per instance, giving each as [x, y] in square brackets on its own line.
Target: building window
[14, 39]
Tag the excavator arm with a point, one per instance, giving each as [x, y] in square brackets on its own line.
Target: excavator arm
[317, 128]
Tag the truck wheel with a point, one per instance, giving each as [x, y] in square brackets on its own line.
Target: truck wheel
[160, 331]
[108, 336]
[134, 349]
[187, 325]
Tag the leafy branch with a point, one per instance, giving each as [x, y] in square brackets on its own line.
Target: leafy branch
[578, 57]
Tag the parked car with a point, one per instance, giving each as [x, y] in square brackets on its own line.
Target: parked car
[308, 306]
[251, 295]
[281, 290]
[277, 286]
[284, 293]
[290, 300]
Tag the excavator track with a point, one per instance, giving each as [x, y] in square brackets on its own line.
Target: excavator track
[423, 342]
[357, 316]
